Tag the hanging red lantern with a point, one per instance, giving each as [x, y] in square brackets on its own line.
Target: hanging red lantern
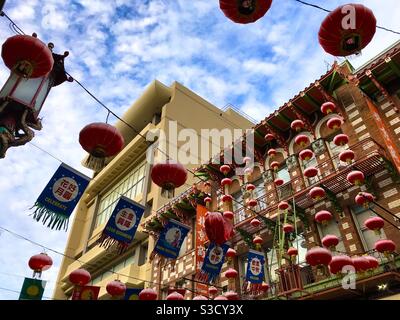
[207, 200]
[328, 107]
[221, 298]
[283, 205]
[231, 273]
[373, 262]
[302, 140]
[100, 140]
[250, 187]
[244, 11]
[364, 199]
[338, 263]
[225, 169]
[297, 125]
[227, 198]
[200, 298]
[288, 228]
[169, 176]
[361, 264]
[318, 256]
[292, 253]
[264, 287]
[341, 139]
[347, 156]
[386, 247]
[246, 160]
[269, 137]
[39, 263]
[375, 224]
[275, 165]
[116, 288]
[306, 154]
[347, 30]
[311, 172]
[215, 228]
[252, 203]
[226, 182]
[175, 296]
[80, 277]
[212, 290]
[248, 171]
[317, 193]
[278, 182]
[334, 123]
[272, 153]
[330, 242]
[356, 177]
[230, 254]
[148, 294]
[228, 215]
[27, 56]
[231, 295]
[323, 217]
[255, 223]
[257, 240]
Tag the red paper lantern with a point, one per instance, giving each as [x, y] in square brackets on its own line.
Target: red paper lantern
[225, 169]
[275, 165]
[385, 246]
[148, 294]
[302, 140]
[334, 123]
[200, 298]
[364, 199]
[347, 156]
[311, 172]
[278, 182]
[100, 140]
[375, 224]
[306, 154]
[318, 256]
[231, 253]
[361, 264]
[271, 153]
[288, 228]
[347, 30]
[250, 187]
[175, 296]
[40, 262]
[330, 241]
[292, 253]
[328, 107]
[27, 56]
[257, 240]
[227, 198]
[248, 171]
[207, 200]
[215, 227]
[116, 288]
[80, 277]
[283, 205]
[341, 139]
[221, 298]
[246, 160]
[230, 295]
[373, 262]
[323, 217]
[269, 137]
[226, 182]
[169, 176]
[228, 215]
[252, 203]
[356, 177]
[317, 193]
[244, 11]
[338, 263]
[212, 290]
[297, 125]
[264, 287]
[255, 223]
[231, 273]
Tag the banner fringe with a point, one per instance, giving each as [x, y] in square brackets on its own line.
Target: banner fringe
[55, 220]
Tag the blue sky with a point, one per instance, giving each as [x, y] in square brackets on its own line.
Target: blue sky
[117, 47]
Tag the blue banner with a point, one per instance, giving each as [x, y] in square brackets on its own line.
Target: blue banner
[213, 261]
[255, 267]
[60, 196]
[123, 223]
[171, 238]
[132, 294]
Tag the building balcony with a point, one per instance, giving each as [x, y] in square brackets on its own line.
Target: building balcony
[369, 156]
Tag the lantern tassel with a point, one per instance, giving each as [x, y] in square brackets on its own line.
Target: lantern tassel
[55, 220]
[95, 163]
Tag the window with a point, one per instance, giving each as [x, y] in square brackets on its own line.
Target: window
[307, 164]
[334, 149]
[332, 228]
[237, 205]
[259, 193]
[285, 190]
[130, 186]
[143, 254]
[272, 263]
[368, 237]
